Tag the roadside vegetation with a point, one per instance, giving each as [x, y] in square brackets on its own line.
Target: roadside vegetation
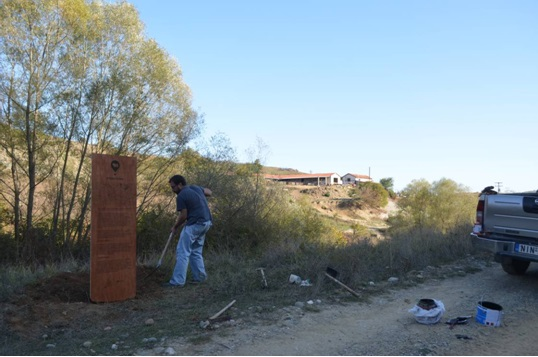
[99, 86]
[257, 224]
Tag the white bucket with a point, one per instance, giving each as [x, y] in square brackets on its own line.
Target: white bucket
[294, 279]
[428, 311]
[489, 313]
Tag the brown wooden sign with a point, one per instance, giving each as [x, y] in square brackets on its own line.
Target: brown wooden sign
[113, 228]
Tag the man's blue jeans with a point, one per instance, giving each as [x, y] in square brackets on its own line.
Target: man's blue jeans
[189, 250]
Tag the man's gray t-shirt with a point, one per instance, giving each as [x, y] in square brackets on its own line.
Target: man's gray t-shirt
[193, 199]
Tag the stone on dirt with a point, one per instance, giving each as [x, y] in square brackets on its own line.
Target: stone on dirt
[169, 351]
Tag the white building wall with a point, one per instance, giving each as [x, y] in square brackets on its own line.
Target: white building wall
[335, 179]
[350, 179]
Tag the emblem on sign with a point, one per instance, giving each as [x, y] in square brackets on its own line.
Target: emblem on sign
[115, 165]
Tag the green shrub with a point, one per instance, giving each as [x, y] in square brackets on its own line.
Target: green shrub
[440, 207]
[153, 230]
[360, 231]
[8, 249]
[388, 184]
[370, 194]
[250, 214]
[6, 216]
[416, 249]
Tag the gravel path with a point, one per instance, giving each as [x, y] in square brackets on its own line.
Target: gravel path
[384, 325]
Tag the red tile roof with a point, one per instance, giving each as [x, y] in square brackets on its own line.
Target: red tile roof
[298, 176]
[360, 176]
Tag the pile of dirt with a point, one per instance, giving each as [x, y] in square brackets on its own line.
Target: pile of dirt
[64, 287]
[54, 303]
[71, 287]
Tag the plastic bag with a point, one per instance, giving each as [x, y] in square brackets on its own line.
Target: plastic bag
[429, 316]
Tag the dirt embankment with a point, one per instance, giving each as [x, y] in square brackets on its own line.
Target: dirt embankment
[331, 201]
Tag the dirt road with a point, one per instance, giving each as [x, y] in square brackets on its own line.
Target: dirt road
[385, 327]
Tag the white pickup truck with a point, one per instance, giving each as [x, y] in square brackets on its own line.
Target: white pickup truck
[507, 225]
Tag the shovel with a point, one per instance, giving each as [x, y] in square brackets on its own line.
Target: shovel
[331, 274]
[162, 256]
[164, 250]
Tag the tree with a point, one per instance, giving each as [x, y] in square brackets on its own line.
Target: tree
[441, 206]
[452, 204]
[387, 183]
[32, 42]
[415, 203]
[80, 77]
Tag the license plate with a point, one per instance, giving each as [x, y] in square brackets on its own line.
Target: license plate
[528, 249]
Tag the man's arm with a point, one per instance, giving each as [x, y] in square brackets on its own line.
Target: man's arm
[181, 218]
[207, 192]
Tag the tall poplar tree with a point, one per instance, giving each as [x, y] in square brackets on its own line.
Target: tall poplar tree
[80, 77]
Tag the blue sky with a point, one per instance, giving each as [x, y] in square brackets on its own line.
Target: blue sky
[403, 89]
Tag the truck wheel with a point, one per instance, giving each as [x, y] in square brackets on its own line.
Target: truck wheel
[514, 266]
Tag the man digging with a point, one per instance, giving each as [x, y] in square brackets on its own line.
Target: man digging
[191, 203]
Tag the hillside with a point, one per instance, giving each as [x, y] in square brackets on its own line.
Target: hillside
[327, 200]
[279, 171]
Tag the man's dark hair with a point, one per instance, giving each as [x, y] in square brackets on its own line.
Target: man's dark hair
[178, 179]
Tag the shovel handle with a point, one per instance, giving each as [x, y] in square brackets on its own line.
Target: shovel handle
[164, 250]
[222, 311]
[342, 285]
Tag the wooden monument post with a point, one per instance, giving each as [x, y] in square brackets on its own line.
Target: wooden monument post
[113, 228]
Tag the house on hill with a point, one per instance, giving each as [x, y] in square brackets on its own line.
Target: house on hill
[355, 179]
[307, 179]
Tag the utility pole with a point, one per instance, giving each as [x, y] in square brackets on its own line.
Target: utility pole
[499, 185]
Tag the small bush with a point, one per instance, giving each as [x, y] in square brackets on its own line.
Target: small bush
[417, 249]
[370, 194]
[351, 203]
[360, 231]
[8, 248]
[153, 230]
